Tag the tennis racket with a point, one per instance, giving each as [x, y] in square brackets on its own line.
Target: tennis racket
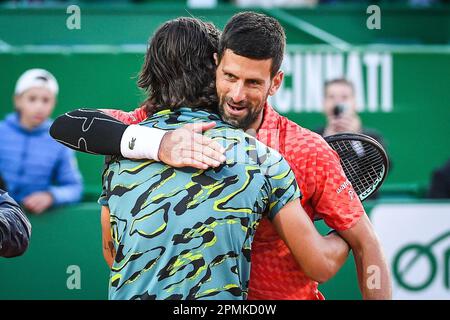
[364, 160]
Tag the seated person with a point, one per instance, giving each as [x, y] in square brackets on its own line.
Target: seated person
[38, 171]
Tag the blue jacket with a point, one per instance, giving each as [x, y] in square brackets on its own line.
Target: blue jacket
[31, 161]
[15, 229]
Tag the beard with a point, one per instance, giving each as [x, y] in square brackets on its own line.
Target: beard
[240, 122]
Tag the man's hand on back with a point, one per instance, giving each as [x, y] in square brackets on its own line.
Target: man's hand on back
[187, 147]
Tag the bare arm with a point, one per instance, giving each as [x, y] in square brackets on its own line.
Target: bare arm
[109, 251]
[319, 257]
[373, 273]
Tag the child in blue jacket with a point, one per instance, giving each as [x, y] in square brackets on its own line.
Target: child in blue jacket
[39, 172]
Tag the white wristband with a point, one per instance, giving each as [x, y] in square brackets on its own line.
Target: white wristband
[139, 142]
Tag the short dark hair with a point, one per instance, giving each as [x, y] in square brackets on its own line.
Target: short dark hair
[338, 81]
[254, 36]
[179, 68]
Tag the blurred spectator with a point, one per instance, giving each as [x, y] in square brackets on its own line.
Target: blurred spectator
[15, 229]
[38, 171]
[440, 183]
[340, 110]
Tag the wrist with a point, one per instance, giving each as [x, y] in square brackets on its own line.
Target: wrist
[139, 142]
[165, 136]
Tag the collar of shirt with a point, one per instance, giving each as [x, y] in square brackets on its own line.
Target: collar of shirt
[269, 131]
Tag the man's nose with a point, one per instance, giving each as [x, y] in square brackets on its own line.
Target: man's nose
[238, 92]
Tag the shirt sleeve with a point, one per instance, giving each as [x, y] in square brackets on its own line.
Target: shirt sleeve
[281, 179]
[133, 117]
[103, 199]
[334, 198]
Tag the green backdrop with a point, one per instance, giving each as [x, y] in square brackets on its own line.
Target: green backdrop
[97, 67]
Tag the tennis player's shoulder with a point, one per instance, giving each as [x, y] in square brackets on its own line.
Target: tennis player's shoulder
[294, 133]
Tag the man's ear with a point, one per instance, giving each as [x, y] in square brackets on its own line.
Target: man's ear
[216, 59]
[276, 82]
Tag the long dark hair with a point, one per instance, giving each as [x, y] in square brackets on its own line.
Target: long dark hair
[179, 68]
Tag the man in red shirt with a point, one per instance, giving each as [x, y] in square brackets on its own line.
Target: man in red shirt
[247, 73]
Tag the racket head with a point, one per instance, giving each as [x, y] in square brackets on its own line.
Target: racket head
[365, 172]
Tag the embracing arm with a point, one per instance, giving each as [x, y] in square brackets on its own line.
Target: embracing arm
[90, 131]
[319, 257]
[94, 131]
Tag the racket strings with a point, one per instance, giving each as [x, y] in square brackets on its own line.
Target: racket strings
[362, 163]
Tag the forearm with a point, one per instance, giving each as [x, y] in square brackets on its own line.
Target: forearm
[373, 273]
[329, 255]
[90, 131]
[319, 257]
[322, 258]
[334, 252]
